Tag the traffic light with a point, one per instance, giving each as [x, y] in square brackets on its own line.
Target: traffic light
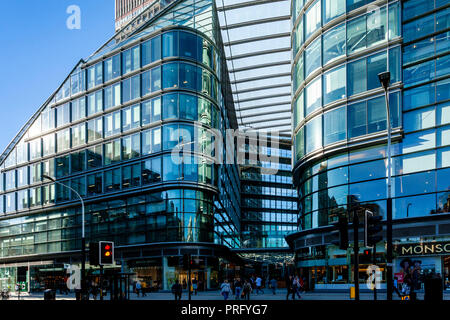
[186, 261]
[367, 256]
[341, 232]
[94, 254]
[106, 253]
[372, 229]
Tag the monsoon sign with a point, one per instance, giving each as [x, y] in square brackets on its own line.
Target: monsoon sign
[420, 249]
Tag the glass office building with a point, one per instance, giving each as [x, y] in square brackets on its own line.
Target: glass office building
[340, 130]
[107, 133]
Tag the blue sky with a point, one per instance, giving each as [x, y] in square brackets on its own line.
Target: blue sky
[38, 51]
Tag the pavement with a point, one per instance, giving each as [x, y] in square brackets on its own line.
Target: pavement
[215, 295]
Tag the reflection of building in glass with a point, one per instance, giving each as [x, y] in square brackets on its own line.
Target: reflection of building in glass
[339, 125]
[108, 133]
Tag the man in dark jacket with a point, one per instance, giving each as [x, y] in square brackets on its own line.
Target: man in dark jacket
[177, 290]
[288, 286]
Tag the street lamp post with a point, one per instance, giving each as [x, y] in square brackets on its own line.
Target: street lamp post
[83, 235]
[385, 78]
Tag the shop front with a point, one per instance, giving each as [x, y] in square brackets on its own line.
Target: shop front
[422, 260]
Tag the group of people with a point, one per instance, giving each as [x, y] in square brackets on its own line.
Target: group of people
[241, 289]
[177, 288]
[294, 285]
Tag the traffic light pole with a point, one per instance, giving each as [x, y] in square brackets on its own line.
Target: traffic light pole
[356, 252]
[375, 273]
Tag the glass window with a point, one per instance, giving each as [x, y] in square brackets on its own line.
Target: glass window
[78, 135]
[188, 76]
[151, 111]
[313, 56]
[298, 73]
[62, 166]
[131, 88]
[95, 102]
[334, 85]
[332, 9]
[10, 202]
[314, 134]
[35, 149]
[146, 50]
[95, 75]
[156, 48]
[156, 140]
[312, 19]
[63, 115]
[354, 4]
[417, 206]
[156, 79]
[188, 45]
[10, 180]
[131, 176]
[171, 170]
[418, 28]
[334, 43]
[299, 113]
[376, 115]
[22, 177]
[419, 119]
[356, 77]
[131, 118]
[334, 125]
[419, 141]
[418, 97]
[357, 119]
[146, 83]
[112, 152]
[298, 37]
[131, 147]
[63, 140]
[94, 157]
[78, 109]
[443, 90]
[112, 124]
[188, 107]
[375, 65]
[95, 129]
[112, 67]
[356, 34]
[394, 64]
[112, 96]
[131, 60]
[367, 170]
[313, 95]
[170, 106]
[35, 173]
[171, 136]
[151, 171]
[48, 144]
[94, 184]
[443, 136]
[376, 26]
[170, 75]
[22, 200]
[170, 44]
[369, 191]
[394, 20]
[112, 180]
[78, 161]
[443, 113]
[79, 185]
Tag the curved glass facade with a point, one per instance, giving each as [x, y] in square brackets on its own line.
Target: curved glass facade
[110, 130]
[339, 121]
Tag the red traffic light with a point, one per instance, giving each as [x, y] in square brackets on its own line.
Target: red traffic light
[106, 253]
[107, 247]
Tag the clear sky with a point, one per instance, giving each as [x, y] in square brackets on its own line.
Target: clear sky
[38, 51]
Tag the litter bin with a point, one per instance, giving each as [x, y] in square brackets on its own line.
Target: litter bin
[433, 289]
[49, 294]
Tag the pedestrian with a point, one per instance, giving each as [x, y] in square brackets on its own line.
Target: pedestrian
[225, 289]
[237, 288]
[295, 288]
[138, 287]
[259, 285]
[274, 284]
[177, 290]
[288, 286]
[143, 288]
[246, 290]
[195, 286]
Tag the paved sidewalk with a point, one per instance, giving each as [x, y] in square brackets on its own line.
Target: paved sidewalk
[215, 295]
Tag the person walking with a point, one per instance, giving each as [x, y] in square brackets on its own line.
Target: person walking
[225, 289]
[259, 285]
[194, 286]
[237, 288]
[288, 283]
[273, 285]
[138, 287]
[296, 287]
[246, 290]
[177, 290]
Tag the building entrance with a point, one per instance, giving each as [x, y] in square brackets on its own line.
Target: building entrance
[446, 272]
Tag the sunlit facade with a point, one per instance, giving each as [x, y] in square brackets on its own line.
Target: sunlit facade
[108, 133]
[340, 128]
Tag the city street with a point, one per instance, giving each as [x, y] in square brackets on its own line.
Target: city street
[215, 295]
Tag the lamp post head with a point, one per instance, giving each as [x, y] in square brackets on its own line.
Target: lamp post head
[385, 79]
[48, 178]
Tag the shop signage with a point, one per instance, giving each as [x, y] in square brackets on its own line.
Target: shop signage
[426, 248]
